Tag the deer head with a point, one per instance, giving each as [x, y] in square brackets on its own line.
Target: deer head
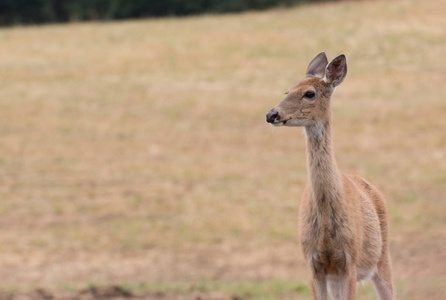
[308, 102]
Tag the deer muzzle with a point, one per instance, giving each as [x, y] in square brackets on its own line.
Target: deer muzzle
[272, 115]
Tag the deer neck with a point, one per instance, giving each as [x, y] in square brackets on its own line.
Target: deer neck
[325, 183]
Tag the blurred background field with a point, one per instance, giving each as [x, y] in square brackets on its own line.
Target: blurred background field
[136, 153]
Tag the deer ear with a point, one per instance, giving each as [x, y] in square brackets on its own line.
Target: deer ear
[336, 70]
[316, 68]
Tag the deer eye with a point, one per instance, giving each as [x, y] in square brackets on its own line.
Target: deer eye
[309, 94]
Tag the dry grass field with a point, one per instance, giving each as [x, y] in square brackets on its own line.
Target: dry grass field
[137, 154]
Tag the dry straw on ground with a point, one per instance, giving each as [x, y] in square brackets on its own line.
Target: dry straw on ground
[137, 152]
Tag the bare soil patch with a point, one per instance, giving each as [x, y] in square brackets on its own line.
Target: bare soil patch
[104, 293]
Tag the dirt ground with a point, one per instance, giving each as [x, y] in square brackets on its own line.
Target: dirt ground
[105, 293]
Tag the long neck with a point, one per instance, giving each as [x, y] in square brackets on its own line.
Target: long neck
[325, 183]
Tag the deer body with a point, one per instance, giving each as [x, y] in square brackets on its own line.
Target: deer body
[342, 219]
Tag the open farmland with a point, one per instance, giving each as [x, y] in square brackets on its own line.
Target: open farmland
[136, 154]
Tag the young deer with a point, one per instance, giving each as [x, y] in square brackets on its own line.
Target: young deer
[343, 222]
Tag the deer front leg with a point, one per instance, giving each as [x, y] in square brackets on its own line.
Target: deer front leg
[342, 286]
[318, 286]
[318, 283]
[352, 279]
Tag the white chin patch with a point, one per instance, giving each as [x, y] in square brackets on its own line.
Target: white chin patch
[290, 122]
[295, 122]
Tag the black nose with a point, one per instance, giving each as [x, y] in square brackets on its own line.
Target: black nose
[271, 116]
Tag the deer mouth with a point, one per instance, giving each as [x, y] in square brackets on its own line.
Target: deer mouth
[280, 123]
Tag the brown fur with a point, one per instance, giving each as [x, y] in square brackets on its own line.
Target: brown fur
[343, 221]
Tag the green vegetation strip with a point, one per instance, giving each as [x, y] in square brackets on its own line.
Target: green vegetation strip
[245, 289]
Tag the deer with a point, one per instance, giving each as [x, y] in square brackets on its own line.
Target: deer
[343, 221]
